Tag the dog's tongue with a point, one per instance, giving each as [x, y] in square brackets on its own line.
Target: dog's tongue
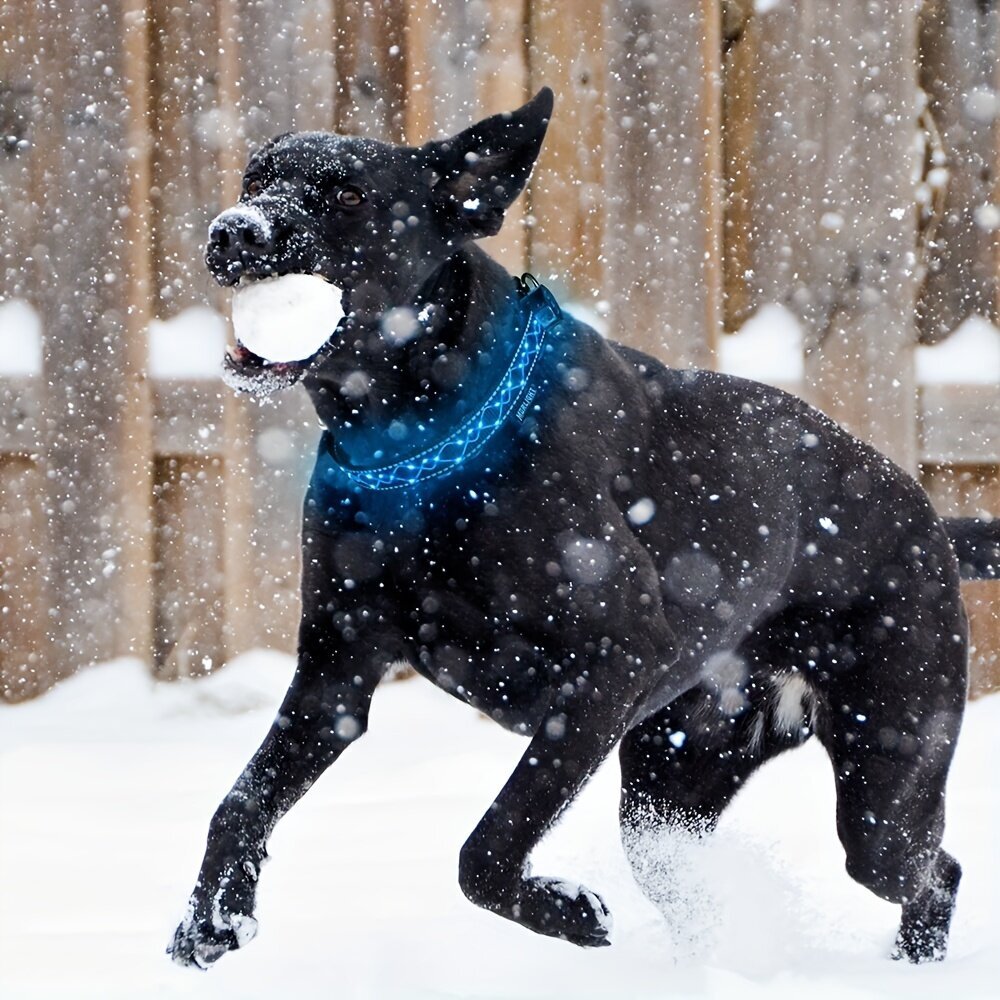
[288, 318]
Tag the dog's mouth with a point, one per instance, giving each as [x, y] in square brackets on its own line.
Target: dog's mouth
[247, 372]
[287, 325]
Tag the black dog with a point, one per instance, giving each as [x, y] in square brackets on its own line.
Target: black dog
[583, 544]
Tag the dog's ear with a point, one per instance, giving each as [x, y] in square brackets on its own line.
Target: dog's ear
[478, 173]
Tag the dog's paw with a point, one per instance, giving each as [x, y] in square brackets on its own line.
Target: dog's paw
[565, 910]
[917, 943]
[201, 940]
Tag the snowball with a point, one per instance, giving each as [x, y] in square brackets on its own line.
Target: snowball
[288, 318]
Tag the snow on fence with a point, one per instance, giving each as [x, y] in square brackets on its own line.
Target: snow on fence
[821, 173]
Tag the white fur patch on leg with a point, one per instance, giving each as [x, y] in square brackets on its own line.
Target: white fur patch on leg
[793, 702]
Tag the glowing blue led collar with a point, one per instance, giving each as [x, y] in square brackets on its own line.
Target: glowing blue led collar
[511, 397]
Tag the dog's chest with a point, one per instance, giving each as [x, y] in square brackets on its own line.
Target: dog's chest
[476, 613]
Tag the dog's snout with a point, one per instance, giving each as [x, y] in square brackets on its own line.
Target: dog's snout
[240, 228]
[239, 235]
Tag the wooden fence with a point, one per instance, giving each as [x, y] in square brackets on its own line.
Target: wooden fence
[706, 157]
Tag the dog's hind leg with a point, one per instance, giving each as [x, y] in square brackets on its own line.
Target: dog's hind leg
[890, 818]
[890, 730]
[682, 766]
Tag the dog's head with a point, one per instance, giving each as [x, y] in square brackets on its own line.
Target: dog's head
[374, 219]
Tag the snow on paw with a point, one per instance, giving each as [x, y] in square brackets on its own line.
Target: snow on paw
[917, 944]
[565, 910]
[202, 942]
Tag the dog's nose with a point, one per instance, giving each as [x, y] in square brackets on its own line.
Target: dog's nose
[239, 234]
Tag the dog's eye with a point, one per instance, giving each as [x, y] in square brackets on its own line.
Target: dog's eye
[254, 188]
[350, 197]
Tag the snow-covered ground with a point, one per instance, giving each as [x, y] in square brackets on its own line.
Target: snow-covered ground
[107, 785]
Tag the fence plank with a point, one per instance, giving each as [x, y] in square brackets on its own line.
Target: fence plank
[959, 47]
[92, 284]
[959, 424]
[237, 494]
[824, 218]
[25, 666]
[17, 109]
[776, 249]
[567, 190]
[188, 568]
[287, 67]
[860, 367]
[371, 68]
[464, 60]
[195, 132]
[739, 86]
[292, 87]
[134, 397]
[24, 604]
[964, 491]
[188, 130]
[188, 417]
[663, 177]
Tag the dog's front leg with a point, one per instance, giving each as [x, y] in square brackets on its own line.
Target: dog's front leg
[586, 718]
[323, 712]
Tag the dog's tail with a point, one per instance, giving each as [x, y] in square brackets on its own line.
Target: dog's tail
[977, 544]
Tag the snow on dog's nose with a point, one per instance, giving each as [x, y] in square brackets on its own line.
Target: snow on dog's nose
[240, 229]
[288, 318]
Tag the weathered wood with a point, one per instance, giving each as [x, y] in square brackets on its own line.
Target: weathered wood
[963, 491]
[188, 584]
[959, 50]
[960, 424]
[94, 308]
[568, 196]
[820, 109]
[189, 417]
[25, 665]
[776, 249]
[17, 127]
[24, 599]
[739, 94]
[859, 368]
[199, 148]
[292, 87]
[134, 397]
[465, 59]
[663, 177]
[287, 67]
[237, 493]
[444, 73]
[20, 412]
[822, 209]
[371, 68]
[188, 131]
